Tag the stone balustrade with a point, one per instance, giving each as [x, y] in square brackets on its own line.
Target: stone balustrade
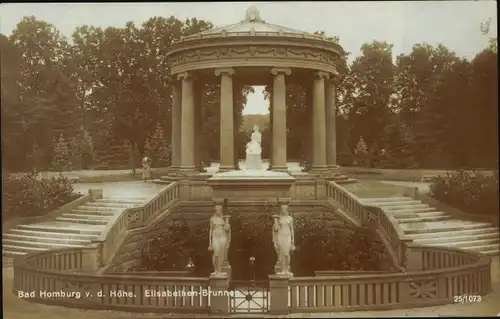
[117, 227]
[444, 273]
[386, 226]
[463, 274]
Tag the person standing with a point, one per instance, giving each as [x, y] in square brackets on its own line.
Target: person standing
[146, 168]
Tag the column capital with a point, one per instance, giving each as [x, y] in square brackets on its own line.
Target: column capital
[185, 76]
[322, 75]
[276, 71]
[228, 71]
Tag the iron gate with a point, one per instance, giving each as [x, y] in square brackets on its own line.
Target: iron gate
[249, 296]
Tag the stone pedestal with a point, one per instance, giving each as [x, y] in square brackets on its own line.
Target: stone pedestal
[226, 268]
[253, 161]
[279, 295]
[219, 294]
[251, 185]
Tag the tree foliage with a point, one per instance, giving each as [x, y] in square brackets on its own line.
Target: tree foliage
[115, 82]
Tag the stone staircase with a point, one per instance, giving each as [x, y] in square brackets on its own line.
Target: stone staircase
[427, 226]
[74, 229]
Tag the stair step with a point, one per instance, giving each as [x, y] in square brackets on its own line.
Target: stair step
[399, 215]
[38, 244]
[111, 205]
[481, 247]
[12, 253]
[124, 199]
[65, 228]
[418, 219]
[404, 207]
[99, 208]
[441, 226]
[346, 181]
[58, 239]
[86, 216]
[399, 203]
[120, 201]
[49, 234]
[453, 239]
[108, 213]
[22, 248]
[82, 221]
[413, 211]
[464, 244]
[458, 233]
[385, 199]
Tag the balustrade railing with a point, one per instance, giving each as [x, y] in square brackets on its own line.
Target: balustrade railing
[115, 231]
[40, 275]
[463, 274]
[372, 217]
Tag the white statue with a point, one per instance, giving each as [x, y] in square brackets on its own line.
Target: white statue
[283, 240]
[219, 239]
[254, 150]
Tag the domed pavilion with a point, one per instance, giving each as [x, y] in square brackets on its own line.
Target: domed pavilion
[253, 52]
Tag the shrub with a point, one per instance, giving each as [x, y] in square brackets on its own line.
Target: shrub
[318, 248]
[361, 153]
[26, 196]
[470, 192]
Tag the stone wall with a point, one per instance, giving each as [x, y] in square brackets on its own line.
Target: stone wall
[304, 188]
[129, 254]
[194, 213]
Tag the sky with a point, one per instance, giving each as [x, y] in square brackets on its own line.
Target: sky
[455, 24]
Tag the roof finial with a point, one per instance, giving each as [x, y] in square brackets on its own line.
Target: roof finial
[252, 15]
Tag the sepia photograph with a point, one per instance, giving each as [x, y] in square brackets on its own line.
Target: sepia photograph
[276, 159]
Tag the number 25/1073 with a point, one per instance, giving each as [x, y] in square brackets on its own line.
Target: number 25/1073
[467, 298]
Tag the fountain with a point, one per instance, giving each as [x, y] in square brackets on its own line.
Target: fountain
[253, 182]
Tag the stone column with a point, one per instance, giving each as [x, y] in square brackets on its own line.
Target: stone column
[319, 127]
[176, 127]
[330, 126]
[226, 120]
[270, 128]
[187, 166]
[308, 135]
[237, 96]
[279, 119]
[199, 145]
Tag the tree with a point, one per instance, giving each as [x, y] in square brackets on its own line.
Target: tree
[372, 75]
[399, 146]
[158, 148]
[33, 61]
[61, 154]
[361, 151]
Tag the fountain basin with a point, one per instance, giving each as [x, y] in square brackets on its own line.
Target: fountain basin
[251, 184]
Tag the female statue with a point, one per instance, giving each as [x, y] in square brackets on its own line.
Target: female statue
[253, 147]
[218, 239]
[283, 239]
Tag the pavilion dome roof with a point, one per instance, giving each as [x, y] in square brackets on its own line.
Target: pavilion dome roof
[252, 25]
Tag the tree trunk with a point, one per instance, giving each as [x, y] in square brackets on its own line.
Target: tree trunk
[132, 156]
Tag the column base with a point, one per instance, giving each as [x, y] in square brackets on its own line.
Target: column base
[319, 170]
[173, 170]
[225, 168]
[279, 168]
[187, 170]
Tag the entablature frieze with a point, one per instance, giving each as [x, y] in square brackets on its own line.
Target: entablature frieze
[254, 56]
